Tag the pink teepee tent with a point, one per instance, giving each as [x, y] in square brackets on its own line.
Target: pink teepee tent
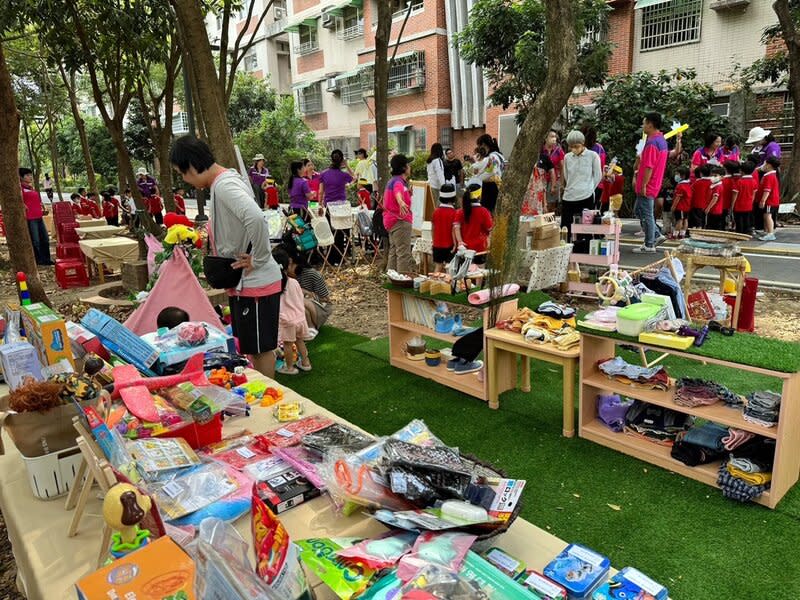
[177, 285]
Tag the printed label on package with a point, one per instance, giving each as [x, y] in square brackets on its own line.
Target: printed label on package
[586, 555]
[643, 581]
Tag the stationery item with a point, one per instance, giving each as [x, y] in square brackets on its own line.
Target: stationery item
[196, 489]
[155, 456]
[542, 586]
[631, 584]
[578, 569]
[286, 489]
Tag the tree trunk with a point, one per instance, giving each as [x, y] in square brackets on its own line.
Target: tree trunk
[126, 174]
[20, 248]
[562, 75]
[209, 96]
[791, 179]
[381, 85]
[165, 169]
[80, 125]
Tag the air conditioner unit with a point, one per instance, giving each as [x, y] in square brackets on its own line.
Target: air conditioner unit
[332, 84]
[280, 13]
[328, 20]
[719, 5]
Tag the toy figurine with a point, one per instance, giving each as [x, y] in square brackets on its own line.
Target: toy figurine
[124, 507]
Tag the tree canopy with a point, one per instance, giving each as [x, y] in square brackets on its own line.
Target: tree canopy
[249, 98]
[507, 40]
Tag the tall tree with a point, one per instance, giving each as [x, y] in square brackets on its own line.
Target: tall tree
[251, 97]
[206, 92]
[70, 84]
[381, 83]
[20, 248]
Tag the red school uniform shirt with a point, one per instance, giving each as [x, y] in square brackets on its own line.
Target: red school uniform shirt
[747, 186]
[180, 205]
[365, 198]
[701, 193]
[682, 201]
[716, 190]
[729, 183]
[90, 208]
[769, 183]
[153, 205]
[110, 208]
[271, 194]
[33, 203]
[443, 219]
[475, 233]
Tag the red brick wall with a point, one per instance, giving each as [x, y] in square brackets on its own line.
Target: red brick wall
[774, 46]
[431, 17]
[301, 5]
[464, 140]
[310, 62]
[621, 33]
[317, 122]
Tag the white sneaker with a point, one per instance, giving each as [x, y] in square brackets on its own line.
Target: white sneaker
[639, 234]
[770, 237]
[312, 333]
[660, 240]
[286, 371]
[644, 250]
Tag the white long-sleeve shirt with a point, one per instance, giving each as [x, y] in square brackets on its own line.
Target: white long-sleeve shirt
[582, 173]
[436, 173]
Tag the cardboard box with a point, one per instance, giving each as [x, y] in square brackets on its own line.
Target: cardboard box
[84, 342]
[47, 332]
[159, 570]
[552, 241]
[285, 490]
[120, 340]
[545, 231]
[20, 361]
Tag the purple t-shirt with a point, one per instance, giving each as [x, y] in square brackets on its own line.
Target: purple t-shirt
[335, 181]
[298, 194]
[147, 186]
[258, 177]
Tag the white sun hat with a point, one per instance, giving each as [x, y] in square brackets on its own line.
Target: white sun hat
[756, 135]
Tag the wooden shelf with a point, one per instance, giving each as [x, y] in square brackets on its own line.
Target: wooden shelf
[597, 432]
[718, 413]
[467, 383]
[422, 330]
[596, 229]
[579, 286]
[593, 259]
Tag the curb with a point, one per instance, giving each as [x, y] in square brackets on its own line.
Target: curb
[747, 249]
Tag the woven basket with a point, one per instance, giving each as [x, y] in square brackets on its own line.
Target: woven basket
[714, 236]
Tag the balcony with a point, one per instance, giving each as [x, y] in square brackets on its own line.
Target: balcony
[350, 33]
[351, 90]
[304, 48]
[407, 74]
[309, 99]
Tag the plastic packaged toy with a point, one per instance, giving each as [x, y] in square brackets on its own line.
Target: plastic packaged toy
[194, 490]
[382, 552]
[290, 434]
[631, 584]
[346, 579]
[336, 436]
[546, 589]
[505, 562]
[446, 550]
[228, 508]
[580, 570]
[416, 432]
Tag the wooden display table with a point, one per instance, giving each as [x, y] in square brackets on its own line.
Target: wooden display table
[109, 253]
[401, 330]
[735, 267]
[49, 563]
[99, 232]
[90, 222]
[499, 342]
[786, 467]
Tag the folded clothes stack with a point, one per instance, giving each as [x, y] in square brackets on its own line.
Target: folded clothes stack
[737, 489]
[654, 378]
[655, 423]
[700, 445]
[763, 408]
[694, 392]
[736, 437]
[748, 472]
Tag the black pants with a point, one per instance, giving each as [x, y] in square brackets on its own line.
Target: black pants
[758, 217]
[570, 208]
[744, 221]
[716, 222]
[469, 346]
[697, 218]
[489, 194]
[113, 221]
[158, 217]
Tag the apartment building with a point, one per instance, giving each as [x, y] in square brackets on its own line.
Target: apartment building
[710, 36]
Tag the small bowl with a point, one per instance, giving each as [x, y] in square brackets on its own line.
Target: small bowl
[433, 358]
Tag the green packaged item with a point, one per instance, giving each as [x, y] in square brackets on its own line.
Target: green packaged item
[344, 578]
[494, 582]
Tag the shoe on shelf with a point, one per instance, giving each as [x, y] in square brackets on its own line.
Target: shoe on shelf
[287, 371]
[769, 237]
[465, 367]
[453, 362]
[302, 367]
[644, 250]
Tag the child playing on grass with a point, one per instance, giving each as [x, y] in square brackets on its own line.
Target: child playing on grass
[443, 218]
[769, 196]
[292, 324]
[742, 199]
[681, 203]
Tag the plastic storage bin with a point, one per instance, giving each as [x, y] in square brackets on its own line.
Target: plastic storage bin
[632, 319]
[197, 435]
[52, 475]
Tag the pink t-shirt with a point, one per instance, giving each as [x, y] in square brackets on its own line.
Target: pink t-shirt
[33, 203]
[654, 156]
[293, 308]
[391, 209]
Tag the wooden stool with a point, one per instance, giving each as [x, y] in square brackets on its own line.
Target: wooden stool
[734, 267]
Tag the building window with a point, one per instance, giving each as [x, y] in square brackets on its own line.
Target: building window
[404, 142]
[673, 23]
[400, 7]
[446, 136]
[351, 92]
[721, 109]
[407, 74]
[594, 34]
[309, 99]
[350, 25]
[420, 139]
[250, 61]
[180, 123]
[308, 40]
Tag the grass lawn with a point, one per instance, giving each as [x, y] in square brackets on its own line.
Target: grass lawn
[679, 531]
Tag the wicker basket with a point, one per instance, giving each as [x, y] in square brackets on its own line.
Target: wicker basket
[714, 236]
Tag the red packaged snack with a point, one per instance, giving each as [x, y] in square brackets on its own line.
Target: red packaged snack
[291, 434]
[242, 456]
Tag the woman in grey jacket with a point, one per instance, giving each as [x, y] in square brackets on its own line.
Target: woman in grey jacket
[238, 229]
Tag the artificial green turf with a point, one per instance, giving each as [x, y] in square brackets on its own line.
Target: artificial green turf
[677, 530]
[741, 348]
[525, 299]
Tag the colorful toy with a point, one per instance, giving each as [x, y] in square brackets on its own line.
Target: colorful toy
[24, 294]
[220, 377]
[124, 507]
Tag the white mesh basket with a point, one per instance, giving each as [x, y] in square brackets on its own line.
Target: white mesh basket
[341, 216]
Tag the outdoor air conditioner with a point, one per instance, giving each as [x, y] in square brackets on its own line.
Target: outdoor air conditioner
[328, 20]
[280, 13]
[719, 5]
[332, 84]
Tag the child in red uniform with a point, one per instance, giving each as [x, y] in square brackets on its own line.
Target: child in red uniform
[715, 219]
[742, 199]
[75, 202]
[365, 193]
[89, 206]
[154, 206]
[473, 224]
[180, 203]
[729, 183]
[443, 218]
[769, 196]
[701, 196]
[682, 203]
[110, 208]
[271, 193]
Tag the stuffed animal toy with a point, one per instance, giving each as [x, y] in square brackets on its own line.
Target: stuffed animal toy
[181, 234]
[172, 218]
